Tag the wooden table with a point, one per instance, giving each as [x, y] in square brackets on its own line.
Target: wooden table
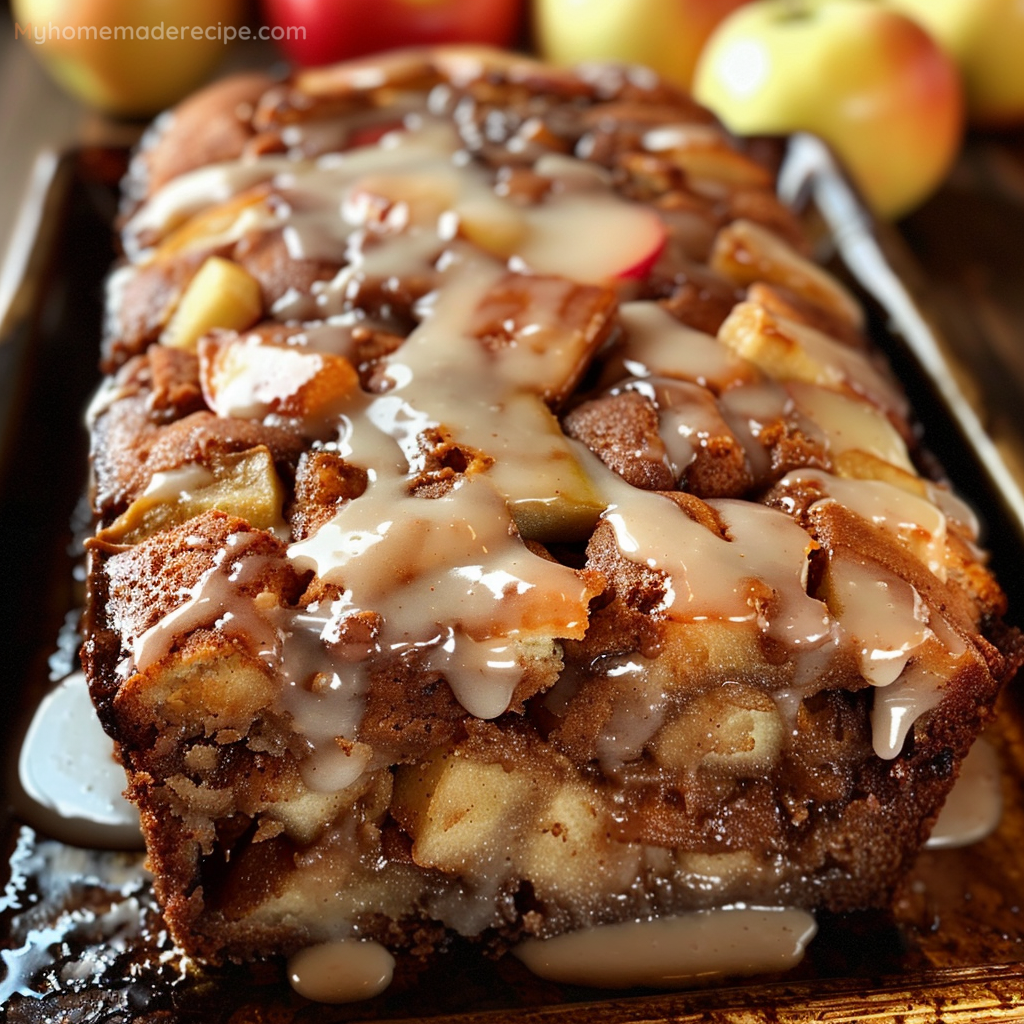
[969, 243]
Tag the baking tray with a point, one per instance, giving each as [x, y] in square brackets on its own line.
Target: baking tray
[80, 937]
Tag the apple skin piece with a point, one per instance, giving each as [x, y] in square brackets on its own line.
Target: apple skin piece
[865, 78]
[126, 77]
[986, 39]
[642, 267]
[222, 294]
[666, 35]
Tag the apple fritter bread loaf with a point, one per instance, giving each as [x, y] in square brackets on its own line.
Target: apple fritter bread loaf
[504, 527]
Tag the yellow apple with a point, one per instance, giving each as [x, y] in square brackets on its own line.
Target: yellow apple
[128, 57]
[986, 39]
[868, 80]
[666, 35]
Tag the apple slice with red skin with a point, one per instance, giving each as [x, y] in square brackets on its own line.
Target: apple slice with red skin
[639, 270]
[592, 239]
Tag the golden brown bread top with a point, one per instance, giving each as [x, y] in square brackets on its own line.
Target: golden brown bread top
[521, 187]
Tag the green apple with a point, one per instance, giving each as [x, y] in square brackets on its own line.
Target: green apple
[867, 79]
[666, 35]
[128, 57]
[986, 39]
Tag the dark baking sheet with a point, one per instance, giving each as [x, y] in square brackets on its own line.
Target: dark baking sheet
[79, 934]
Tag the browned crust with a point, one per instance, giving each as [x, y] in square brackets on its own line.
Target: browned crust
[211, 126]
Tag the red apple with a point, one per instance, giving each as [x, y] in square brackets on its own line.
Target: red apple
[986, 39]
[333, 30]
[128, 57]
[666, 35]
[867, 79]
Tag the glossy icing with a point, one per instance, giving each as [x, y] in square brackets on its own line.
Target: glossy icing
[71, 786]
[344, 971]
[472, 593]
[674, 952]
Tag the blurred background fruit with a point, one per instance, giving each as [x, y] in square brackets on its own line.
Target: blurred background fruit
[124, 74]
[666, 35]
[889, 83]
[864, 77]
[339, 29]
[986, 39]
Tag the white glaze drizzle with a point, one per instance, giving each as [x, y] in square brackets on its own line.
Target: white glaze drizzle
[898, 706]
[739, 578]
[885, 618]
[178, 484]
[343, 971]
[71, 786]
[687, 416]
[191, 193]
[975, 805]
[673, 952]
[213, 601]
[851, 424]
[912, 520]
[657, 344]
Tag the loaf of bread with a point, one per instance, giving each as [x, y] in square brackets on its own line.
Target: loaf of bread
[504, 527]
